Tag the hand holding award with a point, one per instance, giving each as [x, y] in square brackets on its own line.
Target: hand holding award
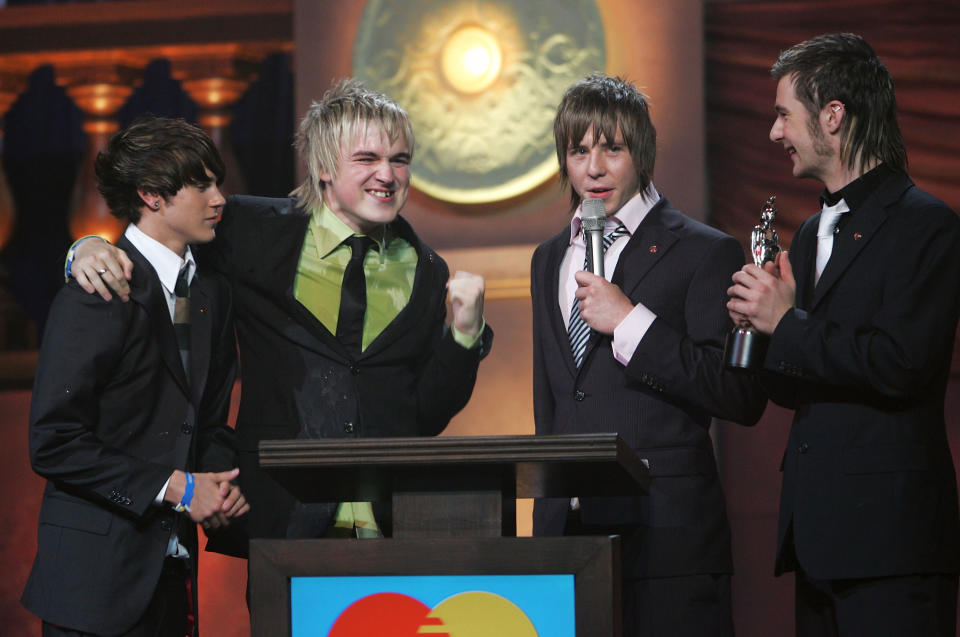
[746, 347]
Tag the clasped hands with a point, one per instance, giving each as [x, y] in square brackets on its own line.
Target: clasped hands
[215, 500]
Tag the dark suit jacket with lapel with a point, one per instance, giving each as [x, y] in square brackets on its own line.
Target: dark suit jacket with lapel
[868, 483]
[112, 416]
[300, 382]
[661, 403]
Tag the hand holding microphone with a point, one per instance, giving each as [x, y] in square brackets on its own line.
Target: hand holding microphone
[603, 305]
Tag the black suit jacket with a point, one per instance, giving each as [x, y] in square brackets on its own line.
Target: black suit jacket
[868, 480]
[112, 416]
[300, 382]
[661, 403]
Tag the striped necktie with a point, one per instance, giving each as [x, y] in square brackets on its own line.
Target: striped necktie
[181, 317]
[577, 329]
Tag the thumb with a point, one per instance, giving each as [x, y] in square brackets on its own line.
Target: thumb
[226, 476]
[786, 270]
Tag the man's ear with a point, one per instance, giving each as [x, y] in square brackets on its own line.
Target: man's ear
[151, 200]
[832, 116]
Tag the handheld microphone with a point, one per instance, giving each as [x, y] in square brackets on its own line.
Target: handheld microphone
[593, 216]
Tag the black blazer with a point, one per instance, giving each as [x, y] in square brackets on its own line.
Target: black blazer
[300, 382]
[661, 403]
[868, 480]
[112, 416]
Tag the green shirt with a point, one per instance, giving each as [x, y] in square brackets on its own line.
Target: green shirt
[390, 269]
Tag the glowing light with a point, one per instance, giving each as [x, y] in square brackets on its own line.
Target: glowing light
[471, 59]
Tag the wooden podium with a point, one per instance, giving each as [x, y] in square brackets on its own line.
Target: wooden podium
[453, 503]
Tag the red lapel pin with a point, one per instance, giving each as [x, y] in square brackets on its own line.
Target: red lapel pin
[654, 249]
[203, 310]
[857, 236]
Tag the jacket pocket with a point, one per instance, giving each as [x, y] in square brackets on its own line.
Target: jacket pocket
[678, 461]
[75, 514]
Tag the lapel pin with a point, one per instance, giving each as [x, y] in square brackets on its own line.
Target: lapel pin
[203, 310]
[857, 236]
[654, 249]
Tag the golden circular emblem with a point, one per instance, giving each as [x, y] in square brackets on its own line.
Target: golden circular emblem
[481, 81]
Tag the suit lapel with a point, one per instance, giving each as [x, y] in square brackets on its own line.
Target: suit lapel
[421, 294]
[858, 232]
[285, 234]
[803, 251]
[551, 276]
[146, 291]
[646, 248]
[200, 335]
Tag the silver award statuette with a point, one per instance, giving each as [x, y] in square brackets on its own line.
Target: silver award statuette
[746, 347]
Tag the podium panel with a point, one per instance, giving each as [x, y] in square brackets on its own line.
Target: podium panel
[452, 497]
[552, 586]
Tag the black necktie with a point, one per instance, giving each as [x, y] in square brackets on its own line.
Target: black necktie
[353, 296]
[181, 317]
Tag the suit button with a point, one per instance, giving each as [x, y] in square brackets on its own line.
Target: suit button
[579, 396]
[348, 427]
[165, 525]
[803, 447]
[186, 428]
[355, 370]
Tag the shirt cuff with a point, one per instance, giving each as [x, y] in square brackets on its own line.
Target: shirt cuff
[468, 342]
[157, 501]
[627, 335]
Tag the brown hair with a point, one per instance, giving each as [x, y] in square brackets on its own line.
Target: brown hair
[606, 103]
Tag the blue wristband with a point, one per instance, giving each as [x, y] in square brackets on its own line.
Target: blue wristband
[68, 262]
[184, 504]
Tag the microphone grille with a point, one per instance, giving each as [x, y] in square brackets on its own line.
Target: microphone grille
[593, 209]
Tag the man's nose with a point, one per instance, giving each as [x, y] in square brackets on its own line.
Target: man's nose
[776, 131]
[385, 172]
[596, 164]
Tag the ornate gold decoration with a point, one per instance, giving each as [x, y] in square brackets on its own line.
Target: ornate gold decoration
[481, 81]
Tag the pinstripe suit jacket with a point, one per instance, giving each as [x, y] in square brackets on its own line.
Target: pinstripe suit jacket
[661, 403]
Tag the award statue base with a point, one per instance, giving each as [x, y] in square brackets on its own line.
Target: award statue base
[745, 349]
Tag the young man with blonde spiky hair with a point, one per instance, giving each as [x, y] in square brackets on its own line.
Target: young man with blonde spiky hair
[340, 308]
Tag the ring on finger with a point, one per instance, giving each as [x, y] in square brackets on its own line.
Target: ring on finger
[101, 272]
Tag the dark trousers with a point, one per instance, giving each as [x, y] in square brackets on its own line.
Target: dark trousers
[914, 605]
[684, 606]
[166, 614]
[687, 606]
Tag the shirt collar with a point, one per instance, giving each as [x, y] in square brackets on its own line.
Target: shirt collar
[630, 215]
[330, 231]
[166, 263]
[857, 191]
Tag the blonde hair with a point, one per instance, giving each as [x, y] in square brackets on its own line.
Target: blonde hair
[342, 113]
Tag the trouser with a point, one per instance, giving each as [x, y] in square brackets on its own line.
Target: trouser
[168, 614]
[914, 605]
